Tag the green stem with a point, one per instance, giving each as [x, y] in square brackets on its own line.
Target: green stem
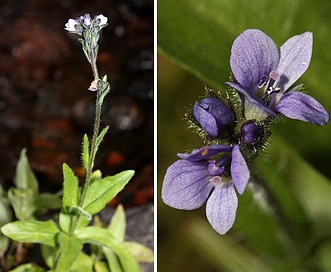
[93, 150]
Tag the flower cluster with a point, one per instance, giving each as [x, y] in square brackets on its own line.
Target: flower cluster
[234, 132]
[88, 30]
[86, 23]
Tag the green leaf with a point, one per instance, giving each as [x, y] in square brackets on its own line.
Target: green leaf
[28, 268]
[114, 263]
[32, 231]
[82, 222]
[70, 187]
[117, 225]
[140, 252]
[101, 266]
[102, 237]
[4, 244]
[83, 263]
[101, 136]
[65, 220]
[46, 201]
[105, 189]
[22, 201]
[86, 151]
[70, 247]
[5, 217]
[5, 212]
[24, 177]
[49, 255]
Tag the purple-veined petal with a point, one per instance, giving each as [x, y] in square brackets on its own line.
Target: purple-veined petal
[206, 120]
[239, 170]
[295, 55]
[253, 56]
[300, 106]
[213, 116]
[204, 153]
[222, 206]
[186, 185]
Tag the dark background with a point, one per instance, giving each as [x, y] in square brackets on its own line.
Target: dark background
[44, 102]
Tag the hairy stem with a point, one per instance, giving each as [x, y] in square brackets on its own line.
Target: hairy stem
[93, 151]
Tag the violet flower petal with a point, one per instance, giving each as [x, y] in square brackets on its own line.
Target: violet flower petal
[239, 170]
[295, 55]
[300, 106]
[222, 206]
[204, 153]
[186, 185]
[206, 120]
[253, 55]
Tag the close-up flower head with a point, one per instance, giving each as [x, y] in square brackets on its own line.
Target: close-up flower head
[196, 177]
[265, 74]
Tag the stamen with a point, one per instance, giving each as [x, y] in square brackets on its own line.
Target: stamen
[263, 82]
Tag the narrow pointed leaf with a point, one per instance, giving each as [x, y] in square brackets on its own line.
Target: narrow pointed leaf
[104, 190]
[114, 263]
[86, 151]
[101, 136]
[24, 177]
[117, 224]
[32, 231]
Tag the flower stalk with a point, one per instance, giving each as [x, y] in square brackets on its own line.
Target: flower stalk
[88, 30]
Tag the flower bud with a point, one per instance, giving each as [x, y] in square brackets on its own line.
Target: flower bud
[214, 117]
[251, 132]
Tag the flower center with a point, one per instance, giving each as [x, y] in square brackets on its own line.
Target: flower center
[267, 90]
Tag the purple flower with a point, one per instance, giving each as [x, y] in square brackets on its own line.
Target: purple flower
[86, 22]
[264, 75]
[195, 178]
[213, 116]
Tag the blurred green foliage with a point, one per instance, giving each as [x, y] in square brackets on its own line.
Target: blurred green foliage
[284, 220]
